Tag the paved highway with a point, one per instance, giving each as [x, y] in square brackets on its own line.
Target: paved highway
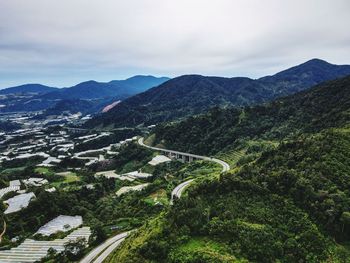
[101, 252]
[225, 166]
[177, 192]
[181, 187]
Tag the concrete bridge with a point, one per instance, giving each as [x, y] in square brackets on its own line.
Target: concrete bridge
[186, 157]
[100, 253]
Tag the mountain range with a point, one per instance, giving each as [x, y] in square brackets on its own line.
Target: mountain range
[40, 97]
[115, 88]
[323, 106]
[194, 94]
[27, 89]
[285, 199]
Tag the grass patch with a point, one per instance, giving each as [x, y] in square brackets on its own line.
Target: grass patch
[158, 196]
[232, 157]
[250, 149]
[44, 171]
[202, 249]
[9, 171]
[200, 242]
[149, 140]
[69, 177]
[199, 168]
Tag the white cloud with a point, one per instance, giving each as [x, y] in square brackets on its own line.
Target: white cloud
[62, 42]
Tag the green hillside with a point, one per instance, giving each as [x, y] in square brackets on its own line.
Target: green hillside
[195, 94]
[292, 205]
[324, 106]
[289, 204]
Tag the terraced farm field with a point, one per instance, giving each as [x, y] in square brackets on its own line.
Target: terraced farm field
[31, 250]
[232, 157]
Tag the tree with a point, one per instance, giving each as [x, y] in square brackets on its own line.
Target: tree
[74, 250]
[345, 219]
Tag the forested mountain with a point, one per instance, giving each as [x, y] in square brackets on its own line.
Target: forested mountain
[289, 203]
[72, 106]
[27, 88]
[115, 88]
[324, 106]
[193, 94]
[308, 74]
[42, 97]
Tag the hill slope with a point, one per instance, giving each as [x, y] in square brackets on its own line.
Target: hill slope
[41, 97]
[115, 88]
[324, 106]
[289, 204]
[193, 94]
[27, 88]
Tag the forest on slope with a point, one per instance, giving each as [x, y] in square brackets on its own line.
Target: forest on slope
[194, 94]
[290, 204]
[324, 106]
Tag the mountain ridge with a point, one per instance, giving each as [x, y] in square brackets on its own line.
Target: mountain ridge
[89, 90]
[28, 88]
[194, 94]
[285, 199]
[324, 106]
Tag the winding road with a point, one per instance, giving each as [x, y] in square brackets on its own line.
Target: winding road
[178, 190]
[100, 253]
[225, 165]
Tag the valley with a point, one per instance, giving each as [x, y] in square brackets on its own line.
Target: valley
[258, 183]
[159, 131]
[64, 164]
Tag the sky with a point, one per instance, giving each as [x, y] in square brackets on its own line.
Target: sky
[63, 42]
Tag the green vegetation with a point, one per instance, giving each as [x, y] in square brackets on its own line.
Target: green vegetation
[158, 197]
[287, 200]
[68, 178]
[274, 209]
[132, 157]
[43, 170]
[324, 106]
[203, 250]
[189, 95]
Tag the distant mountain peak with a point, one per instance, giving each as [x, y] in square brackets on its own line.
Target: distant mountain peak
[28, 88]
[316, 61]
[145, 76]
[193, 94]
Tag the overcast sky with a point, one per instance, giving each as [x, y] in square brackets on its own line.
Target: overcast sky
[63, 42]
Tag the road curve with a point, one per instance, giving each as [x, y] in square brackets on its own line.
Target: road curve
[108, 246]
[108, 251]
[181, 187]
[225, 165]
[100, 253]
[177, 192]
